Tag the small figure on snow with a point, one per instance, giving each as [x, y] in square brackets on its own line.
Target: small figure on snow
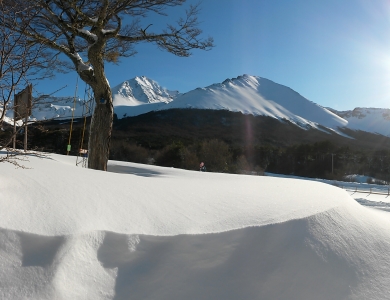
[202, 167]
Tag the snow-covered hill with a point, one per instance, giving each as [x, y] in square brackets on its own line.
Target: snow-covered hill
[74, 233]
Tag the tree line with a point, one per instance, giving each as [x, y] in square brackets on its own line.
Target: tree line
[317, 160]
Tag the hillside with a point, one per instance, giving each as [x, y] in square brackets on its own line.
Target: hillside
[154, 130]
[235, 128]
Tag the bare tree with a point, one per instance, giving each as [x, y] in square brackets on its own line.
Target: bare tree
[90, 32]
[19, 58]
[22, 61]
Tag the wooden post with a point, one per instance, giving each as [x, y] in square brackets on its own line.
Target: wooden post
[14, 137]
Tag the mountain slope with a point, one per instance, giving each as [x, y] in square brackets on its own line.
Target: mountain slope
[259, 96]
[159, 128]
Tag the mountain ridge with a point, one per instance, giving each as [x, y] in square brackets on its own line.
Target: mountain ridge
[249, 95]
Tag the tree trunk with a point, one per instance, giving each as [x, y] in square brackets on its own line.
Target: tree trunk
[101, 127]
[101, 123]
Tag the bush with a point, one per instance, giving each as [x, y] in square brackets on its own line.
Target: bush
[125, 151]
[189, 159]
[216, 155]
[170, 156]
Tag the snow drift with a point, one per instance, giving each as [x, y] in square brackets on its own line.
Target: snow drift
[147, 232]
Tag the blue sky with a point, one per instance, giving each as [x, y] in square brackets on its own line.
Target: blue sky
[334, 53]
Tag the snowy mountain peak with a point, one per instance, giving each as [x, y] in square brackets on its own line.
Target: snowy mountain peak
[141, 90]
[242, 80]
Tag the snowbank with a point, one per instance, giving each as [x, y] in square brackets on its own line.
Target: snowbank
[147, 232]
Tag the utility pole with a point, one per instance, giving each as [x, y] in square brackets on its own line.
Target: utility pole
[14, 132]
[332, 163]
[68, 148]
[25, 134]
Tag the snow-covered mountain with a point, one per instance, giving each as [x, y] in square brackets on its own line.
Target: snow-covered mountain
[141, 90]
[376, 120]
[247, 94]
[263, 97]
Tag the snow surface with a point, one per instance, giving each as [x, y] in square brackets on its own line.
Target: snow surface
[148, 232]
[368, 194]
